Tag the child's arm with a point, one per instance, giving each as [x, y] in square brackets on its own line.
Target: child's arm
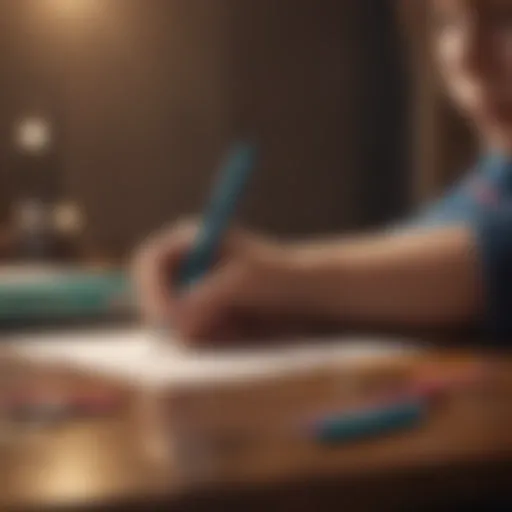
[443, 276]
[410, 279]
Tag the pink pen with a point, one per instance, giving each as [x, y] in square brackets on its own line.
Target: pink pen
[435, 388]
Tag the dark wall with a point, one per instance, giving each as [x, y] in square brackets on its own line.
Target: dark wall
[385, 117]
[297, 85]
[150, 93]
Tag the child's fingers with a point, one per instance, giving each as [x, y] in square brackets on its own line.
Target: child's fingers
[206, 310]
[155, 267]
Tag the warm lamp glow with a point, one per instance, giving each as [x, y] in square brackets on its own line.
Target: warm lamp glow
[33, 135]
[74, 8]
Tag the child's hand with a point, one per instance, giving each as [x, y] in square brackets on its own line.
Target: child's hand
[250, 289]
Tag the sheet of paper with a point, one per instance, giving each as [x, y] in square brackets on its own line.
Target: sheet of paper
[139, 356]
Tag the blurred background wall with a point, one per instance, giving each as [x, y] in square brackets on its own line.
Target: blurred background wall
[146, 95]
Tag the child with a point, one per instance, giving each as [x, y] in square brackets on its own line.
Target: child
[450, 267]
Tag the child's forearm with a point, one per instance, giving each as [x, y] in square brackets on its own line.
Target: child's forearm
[410, 279]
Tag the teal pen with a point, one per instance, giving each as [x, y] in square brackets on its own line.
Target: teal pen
[226, 196]
[369, 422]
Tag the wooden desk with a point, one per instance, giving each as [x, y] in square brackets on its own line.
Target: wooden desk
[462, 452]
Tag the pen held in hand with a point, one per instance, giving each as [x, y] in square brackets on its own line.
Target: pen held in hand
[217, 218]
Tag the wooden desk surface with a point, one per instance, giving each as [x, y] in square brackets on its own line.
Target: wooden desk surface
[462, 451]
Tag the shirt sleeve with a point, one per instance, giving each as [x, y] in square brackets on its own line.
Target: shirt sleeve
[493, 231]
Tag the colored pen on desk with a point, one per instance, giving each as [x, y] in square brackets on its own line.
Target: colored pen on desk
[50, 407]
[389, 413]
[369, 421]
[226, 196]
[433, 389]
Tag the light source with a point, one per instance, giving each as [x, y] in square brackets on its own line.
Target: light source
[74, 8]
[33, 135]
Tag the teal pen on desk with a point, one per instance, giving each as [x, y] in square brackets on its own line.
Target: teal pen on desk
[401, 411]
[369, 422]
[217, 218]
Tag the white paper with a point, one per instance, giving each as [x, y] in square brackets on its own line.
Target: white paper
[138, 356]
